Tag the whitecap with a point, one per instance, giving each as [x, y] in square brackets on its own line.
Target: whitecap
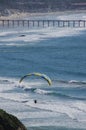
[41, 91]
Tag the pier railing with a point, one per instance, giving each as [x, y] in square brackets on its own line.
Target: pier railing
[43, 23]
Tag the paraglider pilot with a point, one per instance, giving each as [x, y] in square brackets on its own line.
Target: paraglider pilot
[35, 101]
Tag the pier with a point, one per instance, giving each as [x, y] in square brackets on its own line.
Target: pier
[43, 23]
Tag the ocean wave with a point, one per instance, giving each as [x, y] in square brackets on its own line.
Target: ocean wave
[38, 82]
[39, 87]
[5, 81]
[75, 82]
[35, 35]
[54, 93]
[41, 91]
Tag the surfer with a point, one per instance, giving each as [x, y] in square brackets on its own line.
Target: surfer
[22, 35]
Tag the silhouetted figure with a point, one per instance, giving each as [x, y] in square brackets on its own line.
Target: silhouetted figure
[35, 101]
[22, 35]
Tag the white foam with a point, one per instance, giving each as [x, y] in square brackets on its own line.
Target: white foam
[7, 84]
[40, 91]
[80, 105]
[60, 107]
[19, 97]
[9, 90]
[73, 81]
[33, 36]
[5, 33]
[73, 16]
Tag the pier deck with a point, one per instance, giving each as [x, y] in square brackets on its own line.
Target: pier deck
[43, 23]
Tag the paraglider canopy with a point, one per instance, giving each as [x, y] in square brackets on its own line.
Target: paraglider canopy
[37, 74]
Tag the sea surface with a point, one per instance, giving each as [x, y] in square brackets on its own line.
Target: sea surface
[60, 53]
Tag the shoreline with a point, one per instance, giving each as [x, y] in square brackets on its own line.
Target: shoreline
[25, 14]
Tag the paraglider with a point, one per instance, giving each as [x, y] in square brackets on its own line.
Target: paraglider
[35, 101]
[43, 76]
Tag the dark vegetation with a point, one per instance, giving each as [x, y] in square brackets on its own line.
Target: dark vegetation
[40, 5]
[10, 122]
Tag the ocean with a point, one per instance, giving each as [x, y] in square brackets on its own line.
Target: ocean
[60, 53]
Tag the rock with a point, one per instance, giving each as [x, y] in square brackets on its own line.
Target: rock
[9, 122]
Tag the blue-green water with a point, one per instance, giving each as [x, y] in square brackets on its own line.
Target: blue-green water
[57, 52]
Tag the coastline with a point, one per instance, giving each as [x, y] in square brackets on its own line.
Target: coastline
[23, 15]
[14, 88]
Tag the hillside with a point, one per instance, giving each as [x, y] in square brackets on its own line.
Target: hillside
[10, 6]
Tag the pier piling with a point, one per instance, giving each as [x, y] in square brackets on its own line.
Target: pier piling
[48, 23]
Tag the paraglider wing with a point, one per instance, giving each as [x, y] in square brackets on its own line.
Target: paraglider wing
[47, 79]
[24, 77]
[38, 74]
